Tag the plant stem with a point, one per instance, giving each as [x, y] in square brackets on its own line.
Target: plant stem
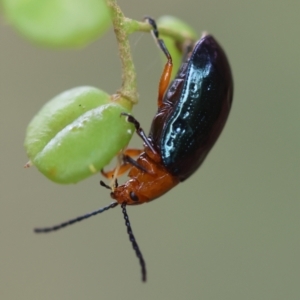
[129, 83]
[123, 27]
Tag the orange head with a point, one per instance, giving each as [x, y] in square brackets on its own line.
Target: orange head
[130, 193]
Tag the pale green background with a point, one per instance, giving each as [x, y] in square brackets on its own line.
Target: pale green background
[229, 232]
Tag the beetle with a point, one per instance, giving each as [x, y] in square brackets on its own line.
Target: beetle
[192, 112]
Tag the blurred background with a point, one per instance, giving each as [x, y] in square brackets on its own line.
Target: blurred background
[229, 232]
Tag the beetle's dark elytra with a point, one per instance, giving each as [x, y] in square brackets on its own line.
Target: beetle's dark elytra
[195, 109]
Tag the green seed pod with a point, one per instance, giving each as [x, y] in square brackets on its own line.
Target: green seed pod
[175, 24]
[58, 23]
[76, 134]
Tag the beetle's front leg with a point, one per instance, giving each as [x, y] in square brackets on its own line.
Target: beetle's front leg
[125, 165]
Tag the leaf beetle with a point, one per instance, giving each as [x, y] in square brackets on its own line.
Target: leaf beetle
[192, 112]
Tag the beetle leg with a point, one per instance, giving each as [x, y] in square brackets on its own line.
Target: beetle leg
[125, 166]
[139, 131]
[122, 169]
[130, 161]
[166, 75]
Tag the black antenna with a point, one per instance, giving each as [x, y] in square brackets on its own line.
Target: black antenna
[135, 246]
[78, 219]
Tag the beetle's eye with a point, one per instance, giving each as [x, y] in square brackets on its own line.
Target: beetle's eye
[134, 197]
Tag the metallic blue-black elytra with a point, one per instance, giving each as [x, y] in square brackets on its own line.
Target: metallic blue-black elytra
[195, 109]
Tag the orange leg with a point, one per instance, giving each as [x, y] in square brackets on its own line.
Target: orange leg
[124, 166]
[166, 75]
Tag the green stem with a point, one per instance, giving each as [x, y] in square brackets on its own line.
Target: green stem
[123, 27]
[129, 84]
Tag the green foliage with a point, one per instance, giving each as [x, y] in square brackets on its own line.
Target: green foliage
[58, 23]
